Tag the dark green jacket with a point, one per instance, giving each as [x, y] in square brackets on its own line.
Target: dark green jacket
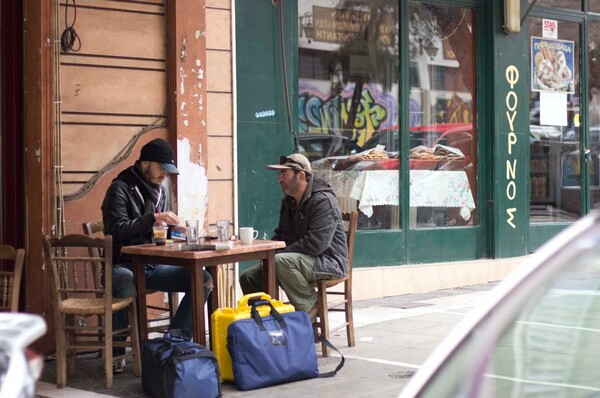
[315, 228]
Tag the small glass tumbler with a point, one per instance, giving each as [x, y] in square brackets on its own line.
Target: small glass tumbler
[191, 234]
[191, 230]
[223, 230]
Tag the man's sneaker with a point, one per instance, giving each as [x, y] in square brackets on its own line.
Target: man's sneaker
[119, 365]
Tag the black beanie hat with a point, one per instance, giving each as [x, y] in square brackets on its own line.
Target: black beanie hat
[158, 150]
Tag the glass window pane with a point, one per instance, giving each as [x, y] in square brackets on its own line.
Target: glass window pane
[594, 111]
[541, 344]
[443, 132]
[555, 161]
[348, 94]
[568, 4]
[565, 312]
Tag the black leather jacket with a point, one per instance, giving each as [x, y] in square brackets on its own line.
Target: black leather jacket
[315, 228]
[128, 214]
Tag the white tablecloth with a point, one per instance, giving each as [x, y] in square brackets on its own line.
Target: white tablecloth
[440, 189]
[428, 188]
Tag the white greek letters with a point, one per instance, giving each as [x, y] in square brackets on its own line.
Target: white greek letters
[511, 101]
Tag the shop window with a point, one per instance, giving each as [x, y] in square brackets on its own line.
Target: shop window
[348, 94]
[555, 129]
[594, 110]
[443, 132]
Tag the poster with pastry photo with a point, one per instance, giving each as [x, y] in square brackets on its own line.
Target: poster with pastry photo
[552, 65]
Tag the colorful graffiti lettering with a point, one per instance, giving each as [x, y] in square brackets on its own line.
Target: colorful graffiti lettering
[330, 115]
[368, 117]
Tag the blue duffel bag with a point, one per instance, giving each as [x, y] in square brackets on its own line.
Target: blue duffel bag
[175, 367]
[274, 349]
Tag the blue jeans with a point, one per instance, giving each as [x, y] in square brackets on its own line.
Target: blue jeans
[165, 278]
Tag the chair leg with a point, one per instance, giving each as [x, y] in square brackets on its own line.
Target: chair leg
[349, 313]
[323, 315]
[135, 340]
[61, 358]
[108, 350]
[99, 322]
[70, 355]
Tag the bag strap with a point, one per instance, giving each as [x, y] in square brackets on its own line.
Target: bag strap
[274, 313]
[166, 346]
[340, 365]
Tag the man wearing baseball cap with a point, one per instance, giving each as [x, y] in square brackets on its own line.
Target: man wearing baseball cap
[310, 224]
[134, 202]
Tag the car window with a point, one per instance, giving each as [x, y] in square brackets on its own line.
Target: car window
[316, 146]
[551, 345]
[546, 344]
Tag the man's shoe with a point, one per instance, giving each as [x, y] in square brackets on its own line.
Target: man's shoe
[119, 365]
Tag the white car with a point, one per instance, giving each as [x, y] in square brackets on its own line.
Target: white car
[20, 367]
[538, 337]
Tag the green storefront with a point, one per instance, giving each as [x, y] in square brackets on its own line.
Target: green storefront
[454, 139]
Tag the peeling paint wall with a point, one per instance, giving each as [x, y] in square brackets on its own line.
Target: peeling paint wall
[192, 186]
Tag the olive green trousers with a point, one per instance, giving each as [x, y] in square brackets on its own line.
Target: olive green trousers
[295, 272]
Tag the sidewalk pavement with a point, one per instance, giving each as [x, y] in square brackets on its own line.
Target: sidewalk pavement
[394, 336]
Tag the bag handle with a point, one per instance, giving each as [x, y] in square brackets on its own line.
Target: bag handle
[340, 365]
[248, 299]
[170, 337]
[258, 319]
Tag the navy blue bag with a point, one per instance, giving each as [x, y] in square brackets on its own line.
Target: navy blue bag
[175, 367]
[276, 349]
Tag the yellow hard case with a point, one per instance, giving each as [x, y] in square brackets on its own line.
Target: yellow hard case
[223, 317]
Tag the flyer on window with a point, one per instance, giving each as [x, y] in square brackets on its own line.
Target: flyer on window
[552, 65]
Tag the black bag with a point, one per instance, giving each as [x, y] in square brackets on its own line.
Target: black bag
[275, 349]
[175, 367]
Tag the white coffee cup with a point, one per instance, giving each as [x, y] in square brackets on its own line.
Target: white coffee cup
[247, 235]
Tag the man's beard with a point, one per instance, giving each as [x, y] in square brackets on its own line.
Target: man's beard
[290, 188]
[148, 176]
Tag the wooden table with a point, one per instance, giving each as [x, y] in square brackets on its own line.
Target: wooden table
[197, 260]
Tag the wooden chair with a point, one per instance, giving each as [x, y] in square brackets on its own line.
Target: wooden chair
[10, 281]
[344, 304]
[78, 294]
[158, 322]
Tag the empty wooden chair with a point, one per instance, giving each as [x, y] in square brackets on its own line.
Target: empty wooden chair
[74, 262]
[10, 281]
[157, 320]
[344, 304]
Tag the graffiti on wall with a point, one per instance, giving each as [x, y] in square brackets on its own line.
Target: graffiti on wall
[326, 114]
[323, 113]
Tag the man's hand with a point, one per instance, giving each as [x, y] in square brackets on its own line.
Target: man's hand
[168, 217]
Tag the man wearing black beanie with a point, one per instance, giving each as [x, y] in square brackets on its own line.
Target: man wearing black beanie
[134, 203]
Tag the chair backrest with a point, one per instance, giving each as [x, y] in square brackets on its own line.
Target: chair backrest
[75, 262]
[93, 227]
[352, 219]
[10, 281]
